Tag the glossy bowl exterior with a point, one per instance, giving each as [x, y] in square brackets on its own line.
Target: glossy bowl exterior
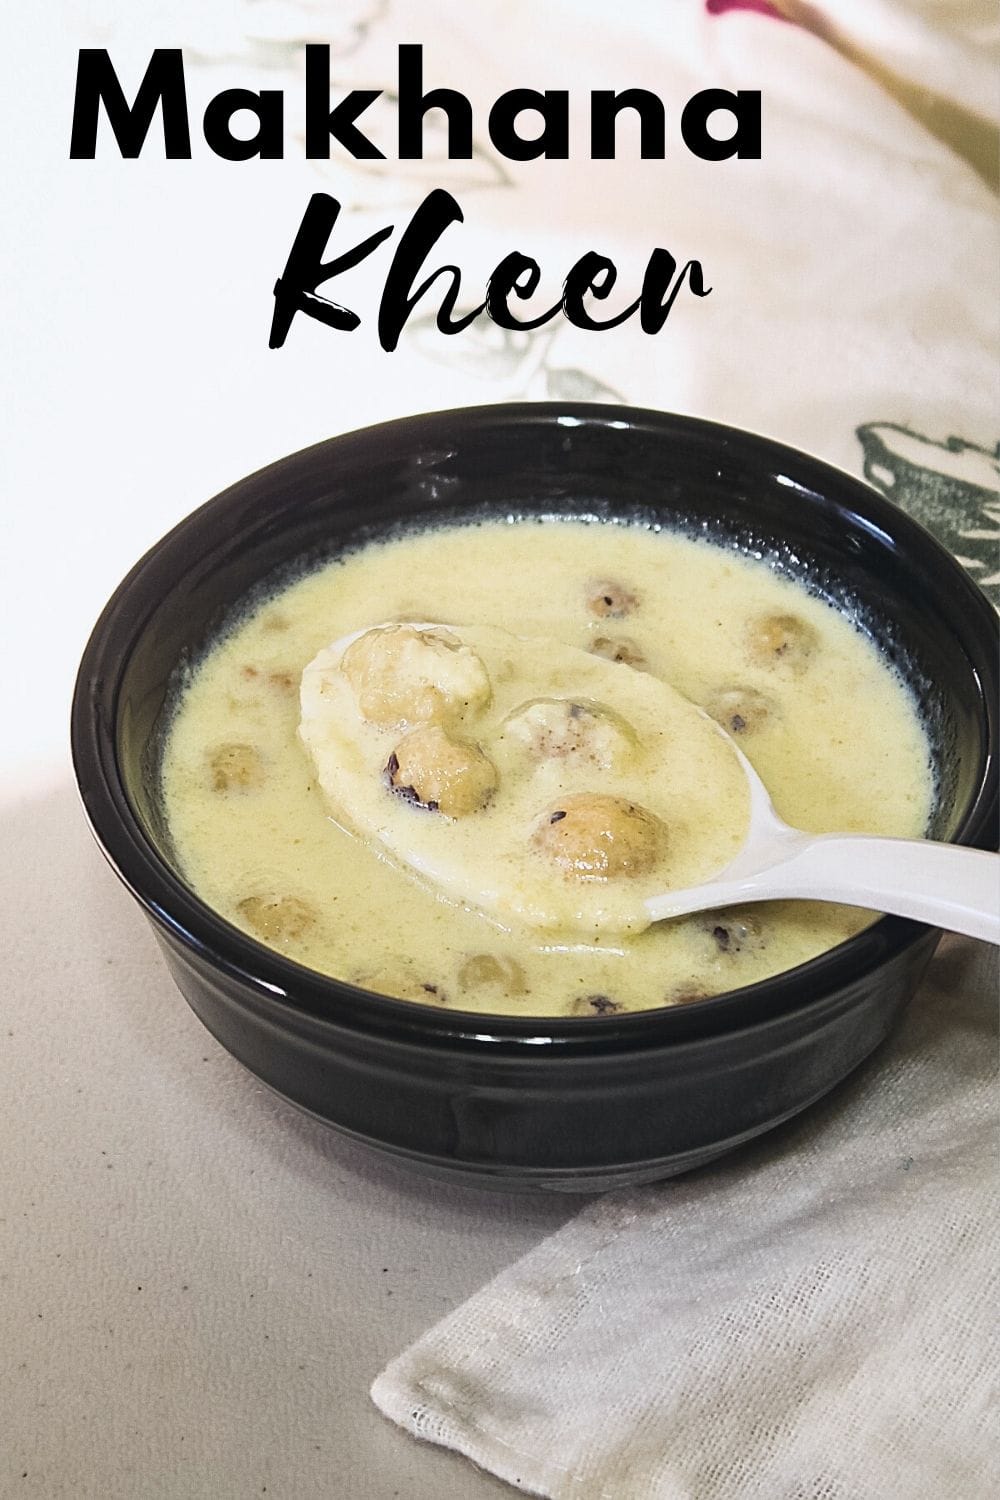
[574, 1103]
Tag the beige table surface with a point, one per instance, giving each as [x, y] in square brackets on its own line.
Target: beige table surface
[197, 1283]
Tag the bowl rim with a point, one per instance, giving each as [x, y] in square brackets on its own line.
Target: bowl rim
[295, 990]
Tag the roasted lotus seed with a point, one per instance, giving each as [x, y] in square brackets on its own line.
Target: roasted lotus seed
[734, 932]
[740, 710]
[594, 1005]
[236, 768]
[434, 770]
[402, 675]
[402, 982]
[590, 836]
[278, 919]
[492, 971]
[608, 600]
[560, 729]
[780, 640]
[621, 649]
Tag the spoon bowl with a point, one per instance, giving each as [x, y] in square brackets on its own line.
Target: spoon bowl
[944, 885]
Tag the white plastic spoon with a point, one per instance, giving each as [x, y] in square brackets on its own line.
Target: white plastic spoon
[942, 884]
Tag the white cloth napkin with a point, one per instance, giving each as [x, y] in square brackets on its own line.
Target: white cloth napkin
[814, 1318]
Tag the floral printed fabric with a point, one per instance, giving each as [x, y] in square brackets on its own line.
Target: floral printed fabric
[762, 7]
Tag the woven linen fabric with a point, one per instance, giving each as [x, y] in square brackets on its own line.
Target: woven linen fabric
[811, 1320]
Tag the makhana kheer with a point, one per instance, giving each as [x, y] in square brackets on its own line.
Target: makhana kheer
[450, 766]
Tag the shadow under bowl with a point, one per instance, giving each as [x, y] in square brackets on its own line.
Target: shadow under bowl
[578, 1103]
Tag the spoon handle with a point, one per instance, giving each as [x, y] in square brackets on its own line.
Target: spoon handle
[945, 885]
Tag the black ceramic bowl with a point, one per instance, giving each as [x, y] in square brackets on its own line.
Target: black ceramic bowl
[581, 1103]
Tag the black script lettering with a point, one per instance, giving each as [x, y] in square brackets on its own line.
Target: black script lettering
[658, 296]
[438, 210]
[162, 86]
[414, 104]
[518, 274]
[553, 106]
[605, 106]
[268, 106]
[295, 290]
[595, 274]
[322, 122]
[744, 142]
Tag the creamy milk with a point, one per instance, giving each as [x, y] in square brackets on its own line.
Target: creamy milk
[826, 722]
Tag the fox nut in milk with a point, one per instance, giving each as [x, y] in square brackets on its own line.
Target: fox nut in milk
[559, 729]
[608, 600]
[591, 836]
[740, 710]
[236, 768]
[400, 674]
[277, 919]
[621, 648]
[439, 772]
[734, 931]
[780, 640]
[492, 971]
[402, 982]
